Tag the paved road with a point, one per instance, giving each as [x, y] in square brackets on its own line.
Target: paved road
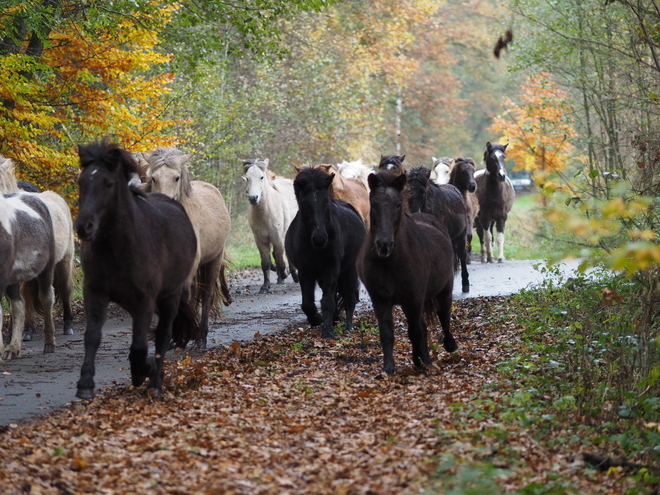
[38, 383]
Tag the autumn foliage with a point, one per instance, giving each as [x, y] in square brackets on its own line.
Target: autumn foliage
[89, 82]
[538, 128]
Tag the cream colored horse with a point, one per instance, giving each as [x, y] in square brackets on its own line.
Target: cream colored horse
[64, 252]
[353, 191]
[169, 174]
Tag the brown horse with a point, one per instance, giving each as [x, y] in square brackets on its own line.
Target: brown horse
[392, 163]
[407, 260]
[496, 195]
[462, 177]
[353, 191]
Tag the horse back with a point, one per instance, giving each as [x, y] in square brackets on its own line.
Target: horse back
[210, 218]
[449, 205]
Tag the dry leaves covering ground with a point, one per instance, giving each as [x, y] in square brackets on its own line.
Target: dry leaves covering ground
[293, 413]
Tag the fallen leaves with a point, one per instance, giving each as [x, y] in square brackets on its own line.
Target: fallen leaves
[293, 413]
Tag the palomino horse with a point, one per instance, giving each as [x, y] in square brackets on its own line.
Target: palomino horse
[446, 203]
[496, 195]
[169, 174]
[323, 242]
[272, 208]
[136, 250]
[462, 177]
[353, 191]
[440, 169]
[60, 215]
[407, 260]
[27, 244]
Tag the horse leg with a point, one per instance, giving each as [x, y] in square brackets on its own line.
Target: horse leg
[141, 367]
[349, 289]
[328, 305]
[264, 254]
[278, 252]
[167, 309]
[307, 286]
[500, 240]
[17, 311]
[444, 302]
[209, 274]
[294, 272]
[47, 299]
[418, 335]
[488, 240]
[482, 241]
[63, 287]
[383, 312]
[461, 252]
[468, 246]
[96, 306]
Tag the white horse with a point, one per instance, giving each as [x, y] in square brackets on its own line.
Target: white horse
[356, 170]
[441, 169]
[272, 208]
[62, 226]
[206, 208]
[27, 244]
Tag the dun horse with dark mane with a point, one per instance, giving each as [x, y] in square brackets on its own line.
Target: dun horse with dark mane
[407, 260]
[137, 250]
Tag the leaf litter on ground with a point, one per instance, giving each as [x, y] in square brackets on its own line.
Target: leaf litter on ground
[292, 413]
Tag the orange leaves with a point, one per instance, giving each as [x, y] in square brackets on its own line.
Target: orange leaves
[538, 129]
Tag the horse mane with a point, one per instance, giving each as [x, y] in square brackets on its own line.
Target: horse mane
[174, 159]
[110, 156]
[458, 162]
[8, 182]
[419, 174]
[490, 148]
[392, 162]
[312, 175]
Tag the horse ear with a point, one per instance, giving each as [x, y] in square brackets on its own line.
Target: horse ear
[403, 158]
[297, 168]
[488, 145]
[185, 158]
[330, 178]
[266, 162]
[244, 178]
[507, 144]
[433, 160]
[262, 164]
[372, 180]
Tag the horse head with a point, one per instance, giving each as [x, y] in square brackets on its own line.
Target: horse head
[8, 182]
[494, 157]
[441, 169]
[312, 188]
[418, 183]
[392, 163]
[462, 174]
[255, 176]
[168, 172]
[387, 209]
[106, 171]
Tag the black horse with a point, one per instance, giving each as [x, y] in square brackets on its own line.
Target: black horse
[137, 250]
[407, 260]
[323, 242]
[445, 202]
[496, 196]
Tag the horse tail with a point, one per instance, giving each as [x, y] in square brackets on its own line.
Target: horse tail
[30, 293]
[186, 323]
[431, 312]
[225, 294]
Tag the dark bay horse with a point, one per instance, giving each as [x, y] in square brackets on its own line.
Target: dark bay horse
[445, 202]
[392, 162]
[137, 250]
[496, 195]
[407, 260]
[462, 177]
[323, 242]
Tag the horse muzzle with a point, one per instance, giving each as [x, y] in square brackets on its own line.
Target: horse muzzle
[254, 200]
[319, 239]
[383, 248]
[86, 229]
[472, 187]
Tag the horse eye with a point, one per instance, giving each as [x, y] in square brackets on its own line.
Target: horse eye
[262, 177]
[108, 184]
[153, 180]
[177, 179]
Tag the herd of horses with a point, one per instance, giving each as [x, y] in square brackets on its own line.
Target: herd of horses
[153, 241]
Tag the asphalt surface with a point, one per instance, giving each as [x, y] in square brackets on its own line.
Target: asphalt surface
[38, 383]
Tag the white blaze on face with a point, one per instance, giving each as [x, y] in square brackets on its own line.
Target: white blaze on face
[500, 160]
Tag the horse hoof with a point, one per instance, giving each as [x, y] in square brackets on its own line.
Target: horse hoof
[68, 331]
[500, 260]
[85, 393]
[27, 336]
[137, 380]
[466, 288]
[49, 348]
[328, 335]
[264, 290]
[450, 344]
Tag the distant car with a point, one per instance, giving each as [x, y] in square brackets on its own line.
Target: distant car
[521, 180]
